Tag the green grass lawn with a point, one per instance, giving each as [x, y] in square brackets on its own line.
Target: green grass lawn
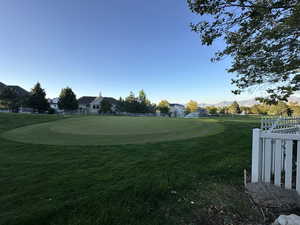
[189, 181]
[96, 130]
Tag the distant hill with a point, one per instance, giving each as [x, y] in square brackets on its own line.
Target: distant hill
[249, 102]
[20, 91]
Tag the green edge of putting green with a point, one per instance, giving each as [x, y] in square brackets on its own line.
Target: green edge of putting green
[97, 130]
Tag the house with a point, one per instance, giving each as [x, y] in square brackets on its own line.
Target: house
[201, 112]
[25, 110]
[177, 110]
[54, 103]
[92, 105]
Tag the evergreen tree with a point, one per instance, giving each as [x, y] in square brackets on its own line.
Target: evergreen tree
[142, 96]
[234, 108]
[67, 100]
[145, 105]
[37, 99]
[138, 104]
[143, 102]
[105, 106]
[121, 105]
[131, 103]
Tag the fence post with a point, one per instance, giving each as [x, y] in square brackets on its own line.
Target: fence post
[256, 161]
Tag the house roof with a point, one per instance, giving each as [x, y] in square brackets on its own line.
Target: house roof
[2, 85]
[202, 110]
[20, 91]
[53, 100]
[85, 100]
[111, 100]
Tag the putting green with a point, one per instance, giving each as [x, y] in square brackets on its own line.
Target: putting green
[99, 130]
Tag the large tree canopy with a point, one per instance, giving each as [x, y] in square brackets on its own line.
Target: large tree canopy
[191, 106]
[261, 36]
[67, 100]
[139, 104]
[164, 106]
[37, 99]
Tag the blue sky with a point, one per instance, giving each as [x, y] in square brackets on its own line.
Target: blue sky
[110, 46]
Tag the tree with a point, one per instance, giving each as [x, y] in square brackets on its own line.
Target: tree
[37, 99]
[212, 109]
[67, 100]
[281, 109]
[255, 109]
[164, 107]
[191, 106]
[131, 103]
[245, 109]
[9, 99]
[105, 106]
[223, 110]
[144, 103]
[262, 37]
[121, 105]
[142, 96]
[260, 109]
[234, 108]
[138, 104]
[295, 108]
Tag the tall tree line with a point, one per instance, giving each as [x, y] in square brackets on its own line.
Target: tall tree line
[139, 104]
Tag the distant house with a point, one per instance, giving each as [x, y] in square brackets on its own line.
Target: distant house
[177, 110]
[92, 105]
[201, 112]
[25, 110]
[54, 103]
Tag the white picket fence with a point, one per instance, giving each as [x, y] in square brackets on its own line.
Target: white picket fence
[276, 152]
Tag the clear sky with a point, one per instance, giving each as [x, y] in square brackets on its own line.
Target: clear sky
[113, 46]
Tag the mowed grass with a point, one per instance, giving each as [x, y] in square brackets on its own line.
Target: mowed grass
[192, 181]
[96, 130]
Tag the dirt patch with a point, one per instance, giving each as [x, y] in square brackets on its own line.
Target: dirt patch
[274, 201]
[220, 204]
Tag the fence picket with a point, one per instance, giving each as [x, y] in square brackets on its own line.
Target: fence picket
[278, 153]
[268, 160]
[288, 164]
[256, 156]
[298, 168]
